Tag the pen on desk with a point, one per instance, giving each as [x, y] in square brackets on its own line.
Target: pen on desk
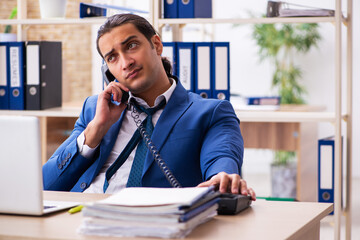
[76, 209]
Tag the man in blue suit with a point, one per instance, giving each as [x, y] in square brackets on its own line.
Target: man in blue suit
[199, 139]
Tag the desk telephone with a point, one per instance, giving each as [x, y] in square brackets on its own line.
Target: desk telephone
[229, 204]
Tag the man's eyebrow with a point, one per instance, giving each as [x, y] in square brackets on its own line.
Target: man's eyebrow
[107, 54]
[128, 39]
[122, 43]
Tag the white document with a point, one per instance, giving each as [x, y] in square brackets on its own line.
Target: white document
[139, 196]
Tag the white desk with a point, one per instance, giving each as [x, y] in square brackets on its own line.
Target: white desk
[263, 220]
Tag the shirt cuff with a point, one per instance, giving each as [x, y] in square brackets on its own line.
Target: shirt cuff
[84, 149]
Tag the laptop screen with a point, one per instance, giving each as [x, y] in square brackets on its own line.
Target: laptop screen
[20, 165]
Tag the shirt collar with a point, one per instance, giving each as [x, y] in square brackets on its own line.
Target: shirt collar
[167, 94]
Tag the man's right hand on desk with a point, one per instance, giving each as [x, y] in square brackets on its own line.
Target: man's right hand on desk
[231, 183]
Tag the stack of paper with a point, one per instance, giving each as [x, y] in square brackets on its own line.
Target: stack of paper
[150, 212]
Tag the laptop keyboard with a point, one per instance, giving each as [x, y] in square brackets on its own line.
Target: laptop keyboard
[47, 207]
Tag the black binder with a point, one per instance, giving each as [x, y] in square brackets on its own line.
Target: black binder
[44, 75]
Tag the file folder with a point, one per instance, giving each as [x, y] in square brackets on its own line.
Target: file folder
[273, 100]
[220, 70]
[186, 8]
[98, 10]
[16, 76]
[194, 8]
[185, 68]
[202, 8]
[4, 87]
[170, 8]
[326, 169]
[203, 69]
[169, 51]
[44, 75]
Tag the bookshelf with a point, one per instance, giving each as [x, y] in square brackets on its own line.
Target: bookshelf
[336, 117]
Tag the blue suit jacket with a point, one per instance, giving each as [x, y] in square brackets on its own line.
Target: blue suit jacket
[196, 137]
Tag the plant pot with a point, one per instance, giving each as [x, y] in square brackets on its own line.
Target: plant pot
[52, 8]
[283, 180]
[7, 37]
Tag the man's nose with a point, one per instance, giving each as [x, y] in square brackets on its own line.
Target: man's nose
[127, 62]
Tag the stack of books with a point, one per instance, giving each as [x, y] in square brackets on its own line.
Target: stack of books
[150, 212]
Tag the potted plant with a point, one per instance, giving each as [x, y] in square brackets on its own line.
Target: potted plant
[283, 175]
[7, 35]
[281, 43]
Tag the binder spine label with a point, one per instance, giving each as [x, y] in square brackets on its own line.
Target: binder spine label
[203, 75]
[3, 66]
[33, 65]
[14, 67]
[326, 167]
[221, 71]
[185, 68]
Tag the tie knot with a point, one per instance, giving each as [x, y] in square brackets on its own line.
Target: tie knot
[149, 111]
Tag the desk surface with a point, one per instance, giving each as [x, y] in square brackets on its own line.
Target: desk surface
[263, 220]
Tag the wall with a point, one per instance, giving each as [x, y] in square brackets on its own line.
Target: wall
[250, 77]
[76, 42]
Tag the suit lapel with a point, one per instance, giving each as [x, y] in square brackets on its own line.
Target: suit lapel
[178, 104]
[107, 143]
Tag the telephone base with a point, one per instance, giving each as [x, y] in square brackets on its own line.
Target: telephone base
[232, 204]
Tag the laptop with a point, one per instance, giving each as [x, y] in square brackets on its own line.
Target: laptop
[21, 182]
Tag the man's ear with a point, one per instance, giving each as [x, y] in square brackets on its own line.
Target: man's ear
[156, 41]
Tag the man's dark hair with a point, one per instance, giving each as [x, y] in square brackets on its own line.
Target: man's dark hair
[141, 24]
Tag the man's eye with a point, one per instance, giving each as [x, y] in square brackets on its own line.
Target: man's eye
[132, 45]
[110, 58]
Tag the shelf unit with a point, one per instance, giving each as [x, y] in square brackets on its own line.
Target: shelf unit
[247, 116]
[335, 118]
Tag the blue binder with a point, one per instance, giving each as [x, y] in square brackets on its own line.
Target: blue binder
[220, 70]
[4, 87]
[326, 169]
[170, 51]
[186, 8]
[203, 8]
[203, 69]
[16, 78]
[171, 8]
[185, 64]
[98, 10]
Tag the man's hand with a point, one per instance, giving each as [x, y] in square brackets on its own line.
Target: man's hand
[106, 114]
[229, 183]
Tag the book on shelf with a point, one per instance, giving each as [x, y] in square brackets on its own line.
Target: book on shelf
[259, 103]
[150, 212]
[284, 9]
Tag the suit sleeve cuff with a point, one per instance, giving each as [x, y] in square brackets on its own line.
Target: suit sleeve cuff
[84, 149]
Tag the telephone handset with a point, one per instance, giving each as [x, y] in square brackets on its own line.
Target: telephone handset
[229, 204]
[108, 77]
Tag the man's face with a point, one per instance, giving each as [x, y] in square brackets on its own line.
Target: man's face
[131, 58]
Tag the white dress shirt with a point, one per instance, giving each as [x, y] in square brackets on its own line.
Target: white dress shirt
[128, 127]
